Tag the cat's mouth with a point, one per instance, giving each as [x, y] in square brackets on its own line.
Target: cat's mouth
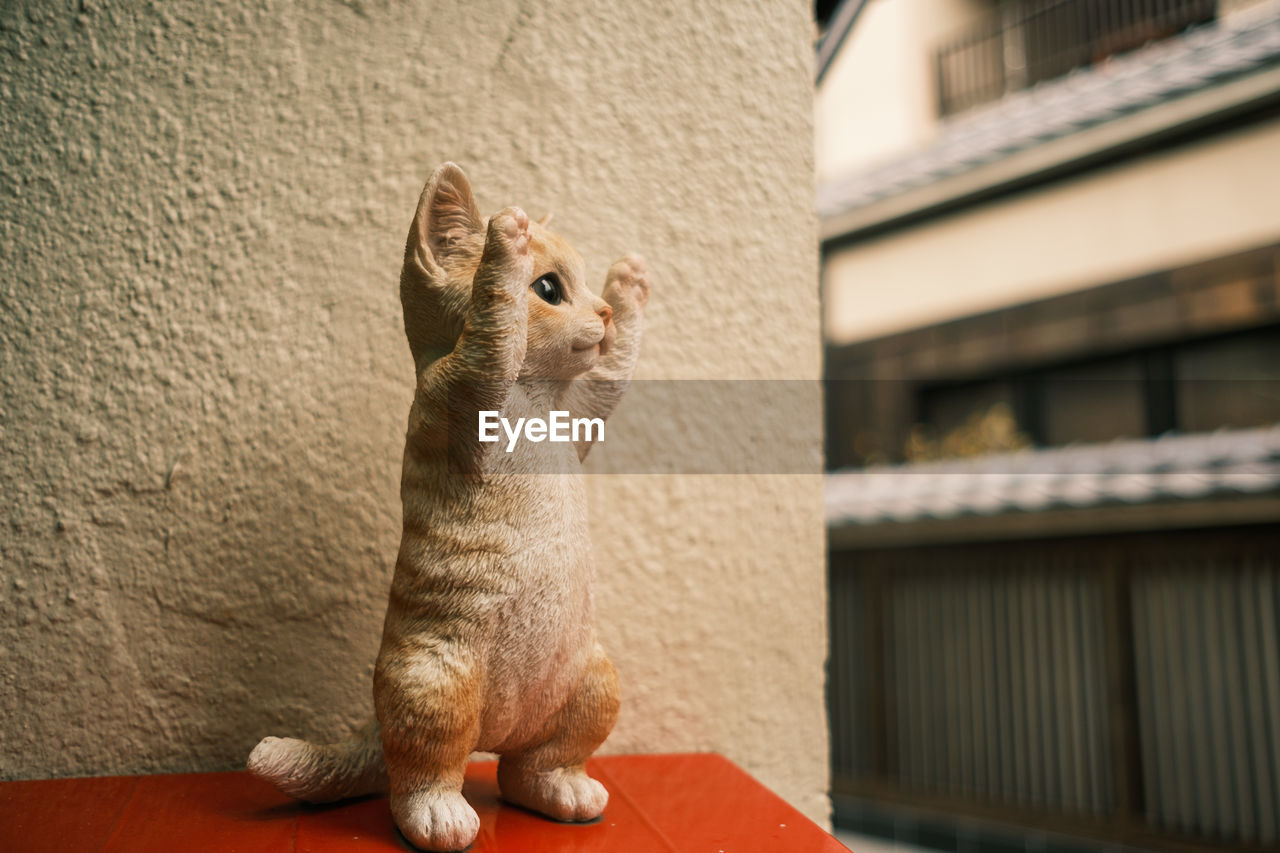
[585, 355]
[593, 343]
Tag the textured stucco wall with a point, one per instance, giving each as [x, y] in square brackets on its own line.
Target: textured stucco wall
[204, 380]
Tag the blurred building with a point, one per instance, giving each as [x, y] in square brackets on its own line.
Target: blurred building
[1051, 287]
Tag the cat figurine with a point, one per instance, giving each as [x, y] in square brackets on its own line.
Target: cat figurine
[489, 642]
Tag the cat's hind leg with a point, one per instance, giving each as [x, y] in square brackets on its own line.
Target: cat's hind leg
[428, 702]
[551, 778]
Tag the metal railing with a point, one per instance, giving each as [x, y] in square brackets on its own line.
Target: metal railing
[1024, 42]
[1125, 688]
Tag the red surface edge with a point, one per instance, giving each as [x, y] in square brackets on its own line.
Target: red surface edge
[705, 803]
[696, 803]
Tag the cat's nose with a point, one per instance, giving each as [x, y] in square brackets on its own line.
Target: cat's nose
[605, 313]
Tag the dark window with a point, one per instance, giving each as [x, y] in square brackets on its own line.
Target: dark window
[1189, 349]
[1232, 381]
[950, 408]
[1093, 402]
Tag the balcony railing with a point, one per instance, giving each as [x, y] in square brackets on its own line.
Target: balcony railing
[1024, 43]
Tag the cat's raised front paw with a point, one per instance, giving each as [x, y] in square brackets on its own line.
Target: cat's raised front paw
[627, 282]
[507, 263]
[436, 820]
[512, 224]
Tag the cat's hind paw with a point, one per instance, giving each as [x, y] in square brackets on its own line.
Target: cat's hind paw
[436, 820]
[563, 793]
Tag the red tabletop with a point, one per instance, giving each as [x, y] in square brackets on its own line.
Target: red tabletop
[657, 803]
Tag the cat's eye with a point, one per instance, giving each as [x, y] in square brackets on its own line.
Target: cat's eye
[547, 288]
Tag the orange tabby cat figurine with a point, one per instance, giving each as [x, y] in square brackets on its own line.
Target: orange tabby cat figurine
[489, 642]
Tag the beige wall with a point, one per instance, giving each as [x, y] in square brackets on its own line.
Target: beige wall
[204, 378]
[879, 97]
[1188, 204]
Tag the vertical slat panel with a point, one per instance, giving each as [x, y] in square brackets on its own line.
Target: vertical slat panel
[1094, 706]
[927, 713]
[1152, 690]
[906, 697]
[1146, 657]
[919, 697]
[1216, 790]
[1050, 689]
[1033, 674]
[962, 694]
[998, 662]
[913, 642]
[843, 722]
[1209, 695]
[836, 717]
[1049, 692]
[880, 729]
[1075, 748]
[937, 697]
[1176, 730]
[1201, 811]
[947, 653]
[898, 675]
[847, 692]
[853, 698]
[978, 747]
[1269, 644]
[1020, 706]
[1234, 691]
[1177, 667]
[987, 752]
[1006, 696]
[1061, 632]
[1261, 723]
[1093, 770]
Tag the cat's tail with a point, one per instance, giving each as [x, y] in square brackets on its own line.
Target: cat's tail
[322, 773]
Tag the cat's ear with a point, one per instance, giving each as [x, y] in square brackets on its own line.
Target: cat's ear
[447, 219]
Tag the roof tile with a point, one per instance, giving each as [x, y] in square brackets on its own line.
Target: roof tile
[1161, 71]
[1227, 463]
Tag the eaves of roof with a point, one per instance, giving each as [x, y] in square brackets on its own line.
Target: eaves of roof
[1202, 77]
[842, 23]
[1230, 476]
